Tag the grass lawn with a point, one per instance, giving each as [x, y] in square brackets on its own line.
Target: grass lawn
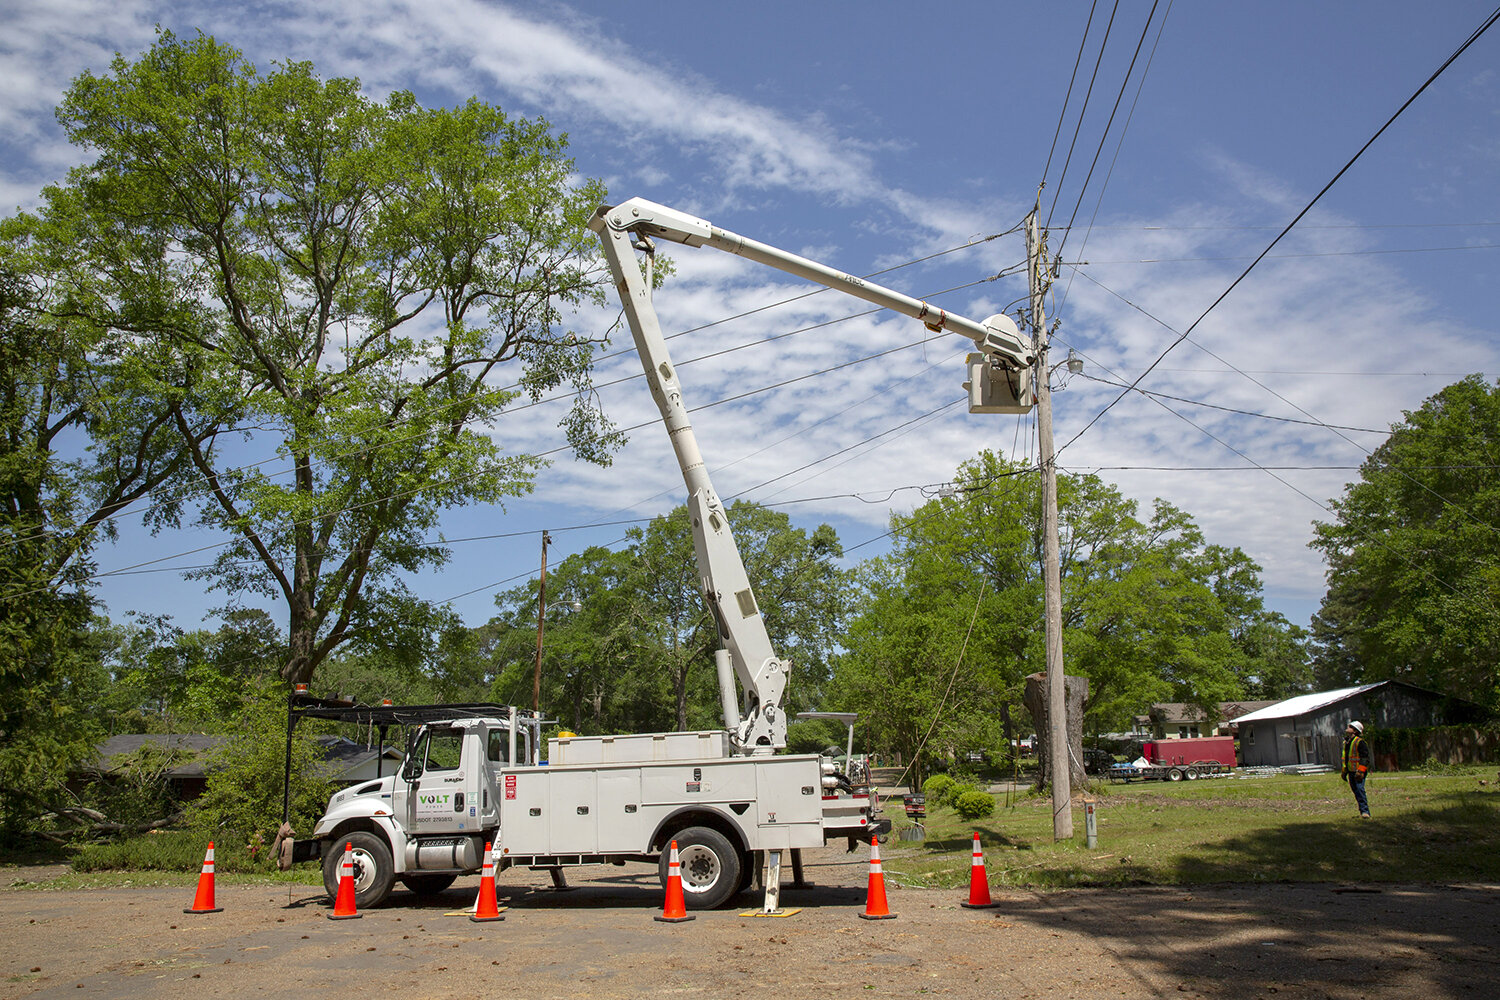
[1425, 828]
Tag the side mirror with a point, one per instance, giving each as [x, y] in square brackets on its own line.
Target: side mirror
[412, 770]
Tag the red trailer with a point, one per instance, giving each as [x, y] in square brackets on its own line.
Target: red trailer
[1178, 760]
[1195, 750]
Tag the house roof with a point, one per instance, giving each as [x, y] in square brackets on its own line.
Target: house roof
[189, 747]
[340, 754]
[1229, 711]
[1305, 703]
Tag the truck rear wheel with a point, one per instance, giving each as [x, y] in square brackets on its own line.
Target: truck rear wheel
[1175, 774]
[710, 867]
[373, 870]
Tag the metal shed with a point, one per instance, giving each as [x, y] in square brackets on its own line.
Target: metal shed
[1309, 728]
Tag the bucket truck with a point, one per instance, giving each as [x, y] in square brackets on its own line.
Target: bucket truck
[471, 773]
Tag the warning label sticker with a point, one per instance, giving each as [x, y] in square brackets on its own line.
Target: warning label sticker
[510, 786]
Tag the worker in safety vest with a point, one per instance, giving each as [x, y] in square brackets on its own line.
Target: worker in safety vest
[1356, 764]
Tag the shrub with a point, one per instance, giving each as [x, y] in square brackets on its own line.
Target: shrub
[245, 778]
[938, 789]
[169, 851]
[974, 804]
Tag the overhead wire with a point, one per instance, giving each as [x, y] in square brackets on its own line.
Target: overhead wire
[1335, 428]
[1298, 256]
[1119, 145]
[1109, 123]
[538, 455]
[1371, 537]
[1473, 37]
[1231, 409]
[647, 423]
[1068, 96]
[784, 503]
[1083, 111]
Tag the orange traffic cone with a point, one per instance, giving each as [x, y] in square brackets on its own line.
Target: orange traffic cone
[486, 907]
[203, 901]
[979, 882]
[343, 906]
[875, 905]
[674, 910]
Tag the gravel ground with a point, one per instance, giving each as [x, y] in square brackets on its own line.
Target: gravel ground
[599, 941]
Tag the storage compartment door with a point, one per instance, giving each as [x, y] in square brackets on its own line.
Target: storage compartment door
[574, 801]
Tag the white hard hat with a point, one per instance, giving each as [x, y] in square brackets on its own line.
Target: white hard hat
[1358, 727]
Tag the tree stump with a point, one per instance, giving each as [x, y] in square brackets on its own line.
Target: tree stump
[1035, 700]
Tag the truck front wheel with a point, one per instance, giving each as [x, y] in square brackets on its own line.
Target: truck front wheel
[710, 867]
[373, 870]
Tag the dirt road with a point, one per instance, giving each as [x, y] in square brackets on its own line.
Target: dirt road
[598, 941]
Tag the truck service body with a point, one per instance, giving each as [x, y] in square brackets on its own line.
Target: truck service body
[473, 774]
[597, 800]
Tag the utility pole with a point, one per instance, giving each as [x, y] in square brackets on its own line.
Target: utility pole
[541, 614]
[1057, 696]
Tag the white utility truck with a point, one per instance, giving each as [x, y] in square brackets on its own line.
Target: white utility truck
[473, 774]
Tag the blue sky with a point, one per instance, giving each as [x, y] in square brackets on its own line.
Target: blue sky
[871, 135]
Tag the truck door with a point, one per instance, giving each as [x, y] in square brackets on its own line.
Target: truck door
[497, 759]
[437, 785]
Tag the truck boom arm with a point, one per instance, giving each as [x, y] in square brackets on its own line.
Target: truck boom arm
[747, 652]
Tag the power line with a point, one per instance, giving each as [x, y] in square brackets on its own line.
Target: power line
[1308, 226]
[1288, 228]
[1230, 409]
[190, 493]
[1103, 44]
[784, 503]
[1298, 256]
[1119, 145]
[1109, 123]
[1259, 468]
[1337, 430]
[796, 433]
[1068, 97]
[544, 454]
[1372, 538]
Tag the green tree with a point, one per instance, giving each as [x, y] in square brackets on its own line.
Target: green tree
[346, 282]
[246, 783]
[1414, 554]
[924, 685]
[637, 655]
[1150, 611]
[62, 379]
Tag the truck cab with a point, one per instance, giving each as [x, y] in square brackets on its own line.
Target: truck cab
[447, 784]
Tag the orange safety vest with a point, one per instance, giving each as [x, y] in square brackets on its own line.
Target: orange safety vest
[1351, 758]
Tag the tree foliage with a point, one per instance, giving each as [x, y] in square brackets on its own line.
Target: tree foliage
[1151, 612]
[1414, 554]
[338, 280]
[247, 785]
[62, 380]
[637, 654]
